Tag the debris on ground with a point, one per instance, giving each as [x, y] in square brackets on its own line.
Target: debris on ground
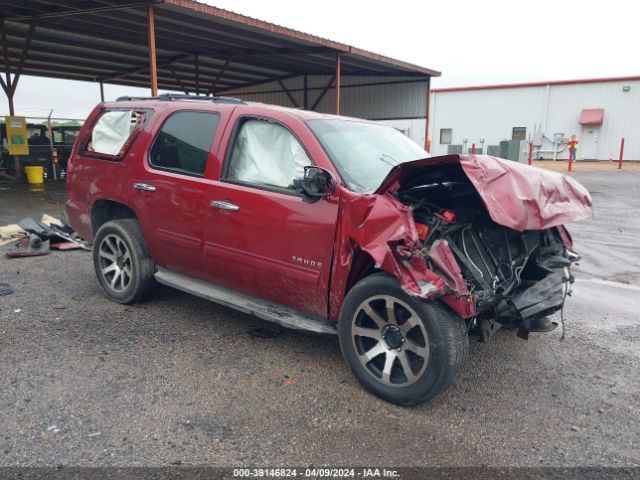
[31, 246]
[31, 238]
[5, 289]
[11, 233]
[66, 246]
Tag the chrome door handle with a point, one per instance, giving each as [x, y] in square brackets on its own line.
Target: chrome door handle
[224, 205]
[144, 186]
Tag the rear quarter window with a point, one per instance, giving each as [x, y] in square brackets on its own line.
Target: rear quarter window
[113, 132]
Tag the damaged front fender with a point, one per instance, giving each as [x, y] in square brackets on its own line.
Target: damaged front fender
[384, 228]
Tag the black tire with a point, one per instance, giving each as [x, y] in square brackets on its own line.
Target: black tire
[135, 268]
[438, 334]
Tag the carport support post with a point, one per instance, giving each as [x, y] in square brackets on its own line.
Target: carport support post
[427, 145]
[151, 34]
[101, 91]
[10, 84]
[338, 83]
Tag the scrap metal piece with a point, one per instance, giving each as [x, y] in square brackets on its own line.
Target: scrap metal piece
[35, 227]
[33, 246]
[66, 246]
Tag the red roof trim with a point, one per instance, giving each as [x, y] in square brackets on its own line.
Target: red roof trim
[537, 84]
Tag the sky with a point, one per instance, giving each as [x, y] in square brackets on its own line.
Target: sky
[470, 42]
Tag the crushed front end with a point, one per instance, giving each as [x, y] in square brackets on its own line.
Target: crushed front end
[493, 231]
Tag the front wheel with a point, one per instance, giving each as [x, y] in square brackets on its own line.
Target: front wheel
[403, 350]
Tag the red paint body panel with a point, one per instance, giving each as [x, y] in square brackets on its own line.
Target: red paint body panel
[517, 196]
[275, 246]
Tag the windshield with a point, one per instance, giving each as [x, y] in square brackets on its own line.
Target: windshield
[364, 152]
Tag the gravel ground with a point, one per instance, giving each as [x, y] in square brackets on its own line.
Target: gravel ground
[84, 381]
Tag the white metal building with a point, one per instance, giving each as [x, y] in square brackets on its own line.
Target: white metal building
[600, 112]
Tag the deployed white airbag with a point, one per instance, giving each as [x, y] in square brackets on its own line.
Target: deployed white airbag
[267, 153]
[111, 132]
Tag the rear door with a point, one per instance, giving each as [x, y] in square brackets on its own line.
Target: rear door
[261, 237]
[170, 188]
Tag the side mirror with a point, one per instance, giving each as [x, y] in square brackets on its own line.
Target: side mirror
[316, 183]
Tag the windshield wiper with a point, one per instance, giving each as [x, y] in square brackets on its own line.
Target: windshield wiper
[395, 162]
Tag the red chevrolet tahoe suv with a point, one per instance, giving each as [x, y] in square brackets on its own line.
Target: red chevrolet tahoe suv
[327, 224]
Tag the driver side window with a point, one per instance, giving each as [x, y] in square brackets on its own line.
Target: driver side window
[267, 154]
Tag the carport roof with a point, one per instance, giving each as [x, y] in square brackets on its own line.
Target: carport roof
[199, 47]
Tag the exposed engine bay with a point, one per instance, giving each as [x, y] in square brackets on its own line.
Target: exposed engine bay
[515, 278]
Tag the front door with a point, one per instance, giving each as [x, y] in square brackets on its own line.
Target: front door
[261, 237]
[588, 146]
[171, 191]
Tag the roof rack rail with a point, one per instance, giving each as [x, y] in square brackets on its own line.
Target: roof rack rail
[168, 97]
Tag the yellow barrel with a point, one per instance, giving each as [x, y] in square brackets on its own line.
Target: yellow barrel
[35, 174]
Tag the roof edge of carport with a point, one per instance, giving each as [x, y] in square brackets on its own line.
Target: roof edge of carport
[296, 34]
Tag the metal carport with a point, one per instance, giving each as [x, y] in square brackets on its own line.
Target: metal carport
[179, 45]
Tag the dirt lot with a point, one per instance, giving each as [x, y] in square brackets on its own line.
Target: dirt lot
[85, 381]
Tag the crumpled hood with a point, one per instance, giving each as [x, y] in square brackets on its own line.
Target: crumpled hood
[517, 196]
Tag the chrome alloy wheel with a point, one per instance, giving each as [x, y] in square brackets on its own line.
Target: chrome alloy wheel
[115, 263]
[390, 340]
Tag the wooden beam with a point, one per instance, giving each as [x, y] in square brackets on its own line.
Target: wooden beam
[153, 69]
[323, 93]
[286, 90]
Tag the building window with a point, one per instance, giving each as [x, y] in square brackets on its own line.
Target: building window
[519, 133]
[184, 143]
[446, 134]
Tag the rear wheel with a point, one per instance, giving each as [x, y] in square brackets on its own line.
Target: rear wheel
[121, 261]
[401, 349]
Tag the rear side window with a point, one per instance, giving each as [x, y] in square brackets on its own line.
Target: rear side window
[183, 144]
[113, 132]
